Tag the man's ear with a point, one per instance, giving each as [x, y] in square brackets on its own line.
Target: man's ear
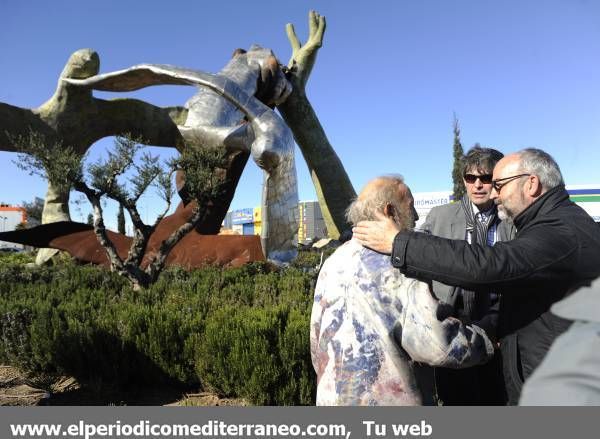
[533, 186]
[389, 210]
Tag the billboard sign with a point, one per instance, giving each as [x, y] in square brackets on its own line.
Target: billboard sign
[242, 216]
[587, 197]
[425, 201]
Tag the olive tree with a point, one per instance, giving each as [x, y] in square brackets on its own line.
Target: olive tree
[124, 176]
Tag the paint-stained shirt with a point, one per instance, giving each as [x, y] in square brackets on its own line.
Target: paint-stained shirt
[370, 323]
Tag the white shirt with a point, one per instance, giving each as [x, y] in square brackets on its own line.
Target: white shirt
[483, 216]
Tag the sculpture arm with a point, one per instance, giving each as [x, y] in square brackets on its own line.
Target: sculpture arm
[154, 125]
[15, 122]
[334, 189]
[133, 78]
[145, 75]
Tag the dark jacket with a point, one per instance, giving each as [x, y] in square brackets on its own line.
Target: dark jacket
[449, 221]
[483, 384]
[570, 373]
[556, 251]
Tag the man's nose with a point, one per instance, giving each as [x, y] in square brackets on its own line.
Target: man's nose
[494, 194]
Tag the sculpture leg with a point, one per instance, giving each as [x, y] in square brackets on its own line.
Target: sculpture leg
[56, 208]
[280, 212]
[273, 151]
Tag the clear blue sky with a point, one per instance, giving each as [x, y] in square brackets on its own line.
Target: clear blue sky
[517, 73]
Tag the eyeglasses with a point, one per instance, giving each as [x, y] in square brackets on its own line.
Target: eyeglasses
[506, 180]
[472, 178]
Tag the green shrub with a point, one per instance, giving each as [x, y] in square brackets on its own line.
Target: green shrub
[242, 332]
[16, 258]
[310, 259]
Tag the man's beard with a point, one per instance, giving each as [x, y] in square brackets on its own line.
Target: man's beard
[503, 214]
[405, 222]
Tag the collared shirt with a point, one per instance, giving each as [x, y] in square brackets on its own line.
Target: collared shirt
[483, 216]
[369, 322]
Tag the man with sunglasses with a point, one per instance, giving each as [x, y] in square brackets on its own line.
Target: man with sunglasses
[473, 218]
[556, 250]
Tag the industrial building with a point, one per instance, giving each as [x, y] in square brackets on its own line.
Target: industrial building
[312, 224]
[10, 218]
[249, 222]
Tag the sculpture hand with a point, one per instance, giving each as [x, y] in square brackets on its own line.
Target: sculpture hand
[333, 187]
[304, 56]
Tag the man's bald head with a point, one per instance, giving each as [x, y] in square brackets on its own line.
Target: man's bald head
[521, 178]
[388, 195]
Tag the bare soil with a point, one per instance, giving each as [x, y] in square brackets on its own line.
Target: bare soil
[17, 389]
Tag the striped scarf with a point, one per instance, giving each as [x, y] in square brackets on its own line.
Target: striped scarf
[478, 229]
[476, 305]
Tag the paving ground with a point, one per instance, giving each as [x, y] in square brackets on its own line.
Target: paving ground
[17, 389]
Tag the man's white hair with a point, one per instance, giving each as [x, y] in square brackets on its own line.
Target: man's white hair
[364, 209]
[540, 163]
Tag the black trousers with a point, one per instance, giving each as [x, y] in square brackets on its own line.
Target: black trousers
[477, 385]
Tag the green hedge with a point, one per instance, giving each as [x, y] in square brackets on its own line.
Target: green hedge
[241, 332]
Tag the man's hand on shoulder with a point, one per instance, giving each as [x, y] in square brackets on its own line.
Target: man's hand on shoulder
[377, 235]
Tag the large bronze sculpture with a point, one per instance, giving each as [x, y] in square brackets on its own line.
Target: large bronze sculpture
[215, 119]
[243, 91]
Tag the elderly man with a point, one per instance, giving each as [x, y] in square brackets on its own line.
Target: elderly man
[556, 250]
[474, 218]
[371, 325]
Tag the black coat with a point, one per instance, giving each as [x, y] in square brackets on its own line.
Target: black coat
[556, 251]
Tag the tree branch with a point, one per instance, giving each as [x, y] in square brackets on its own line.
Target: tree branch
[164, 185]
[116, 262]
[157, 263]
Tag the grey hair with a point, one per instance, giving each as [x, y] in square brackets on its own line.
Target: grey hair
[541, 164]
[365, 209]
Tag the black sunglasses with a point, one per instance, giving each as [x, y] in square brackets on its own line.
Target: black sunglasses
[471, 178]
[497, 186]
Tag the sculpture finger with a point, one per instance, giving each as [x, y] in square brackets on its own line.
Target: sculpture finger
[292, 37]
[320, 31]
[263, 86]
[271, 65]
[317, 29]
[268, 78]
[275, 86]
[313, 23]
